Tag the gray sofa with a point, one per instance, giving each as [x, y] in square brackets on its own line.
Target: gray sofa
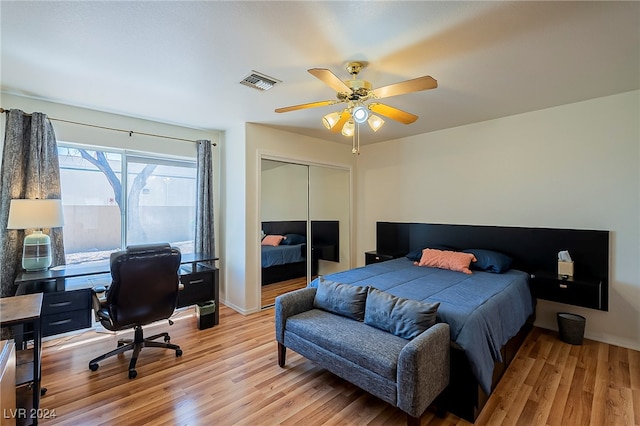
[407, 373]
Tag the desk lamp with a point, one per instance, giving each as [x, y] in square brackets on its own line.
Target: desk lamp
[38, 214]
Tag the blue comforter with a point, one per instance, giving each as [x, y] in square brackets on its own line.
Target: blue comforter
[483, 310]
[281, 255]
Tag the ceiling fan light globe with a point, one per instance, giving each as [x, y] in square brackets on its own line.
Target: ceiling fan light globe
[360, 114]
[375, 122]
[330, 120]
[349, 128]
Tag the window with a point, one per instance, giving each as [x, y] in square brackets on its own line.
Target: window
[158, 204]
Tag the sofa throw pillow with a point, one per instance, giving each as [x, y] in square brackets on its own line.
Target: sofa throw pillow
[341, 299]
[445, 259]
[401, 317]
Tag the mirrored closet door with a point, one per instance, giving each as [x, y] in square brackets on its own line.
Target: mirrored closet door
[305, 223]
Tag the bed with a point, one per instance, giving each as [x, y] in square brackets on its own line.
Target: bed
[490, 311]
[288, 259]
[284, 261]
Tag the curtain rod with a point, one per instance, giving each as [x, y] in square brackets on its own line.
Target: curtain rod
[131, 132]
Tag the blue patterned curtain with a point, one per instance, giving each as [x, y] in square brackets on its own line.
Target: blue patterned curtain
[29, 170]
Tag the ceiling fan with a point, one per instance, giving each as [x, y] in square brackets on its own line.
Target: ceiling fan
[357, 93]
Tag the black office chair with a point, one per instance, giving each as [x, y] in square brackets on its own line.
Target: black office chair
[144, 289]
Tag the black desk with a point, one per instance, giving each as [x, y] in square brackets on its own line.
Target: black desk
[67, 304]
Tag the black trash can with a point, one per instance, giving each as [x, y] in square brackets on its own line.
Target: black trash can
[205, 312]
[571, 327]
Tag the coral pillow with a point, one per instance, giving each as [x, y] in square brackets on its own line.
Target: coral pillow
[272, 240]
[445, 259]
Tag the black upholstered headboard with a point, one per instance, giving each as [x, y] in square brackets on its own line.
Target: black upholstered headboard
[532, 249]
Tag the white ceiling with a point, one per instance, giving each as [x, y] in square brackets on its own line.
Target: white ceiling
[181, 62]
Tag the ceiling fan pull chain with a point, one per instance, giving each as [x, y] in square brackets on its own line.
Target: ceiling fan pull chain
[353, 143]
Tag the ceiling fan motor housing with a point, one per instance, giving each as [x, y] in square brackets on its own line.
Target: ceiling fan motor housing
[359, 89]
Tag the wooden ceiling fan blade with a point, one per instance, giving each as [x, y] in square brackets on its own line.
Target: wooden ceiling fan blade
[409, 86]
[344, 117]
[330, 79]
[305, 106]
[393, 113]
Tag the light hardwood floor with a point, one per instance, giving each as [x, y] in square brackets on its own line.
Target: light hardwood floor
[229, 375]
[271, 291]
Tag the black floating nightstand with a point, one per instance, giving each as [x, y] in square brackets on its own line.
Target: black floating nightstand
[578, 291]
[375, 257]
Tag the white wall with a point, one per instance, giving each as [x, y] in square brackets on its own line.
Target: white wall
[233, 234]
[574, 166]
[69, 132]
[330, 200]
[285, 191]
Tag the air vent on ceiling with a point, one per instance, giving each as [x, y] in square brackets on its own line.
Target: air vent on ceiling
[259, 81]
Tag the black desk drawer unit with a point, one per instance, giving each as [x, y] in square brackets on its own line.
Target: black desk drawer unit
[198, 287]
[571, 290]
[66, 311]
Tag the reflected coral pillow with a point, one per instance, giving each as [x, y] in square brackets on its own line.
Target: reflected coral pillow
[272, 240]
[445, 259]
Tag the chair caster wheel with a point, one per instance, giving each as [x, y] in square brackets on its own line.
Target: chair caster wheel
[133, 374]
[93, 367]
[178, 352]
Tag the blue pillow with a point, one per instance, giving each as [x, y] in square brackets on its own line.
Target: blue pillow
[342, 299]
[401, 317]
[415, 255]
[293, 239]
[489, 260]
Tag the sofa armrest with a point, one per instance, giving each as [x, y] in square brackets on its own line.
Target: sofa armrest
[423, 369]
[290, 304]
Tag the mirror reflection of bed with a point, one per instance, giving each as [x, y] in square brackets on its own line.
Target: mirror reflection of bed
[284, 254]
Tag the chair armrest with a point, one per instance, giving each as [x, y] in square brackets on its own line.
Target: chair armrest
[98, 298]
[290, 304]
[423, 369]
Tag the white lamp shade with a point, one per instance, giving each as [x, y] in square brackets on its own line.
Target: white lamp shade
[330, 119]
[349, 128]
[28, 214]
[375, 122]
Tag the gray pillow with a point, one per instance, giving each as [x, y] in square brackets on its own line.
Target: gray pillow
[404, 318]
[342, 299]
